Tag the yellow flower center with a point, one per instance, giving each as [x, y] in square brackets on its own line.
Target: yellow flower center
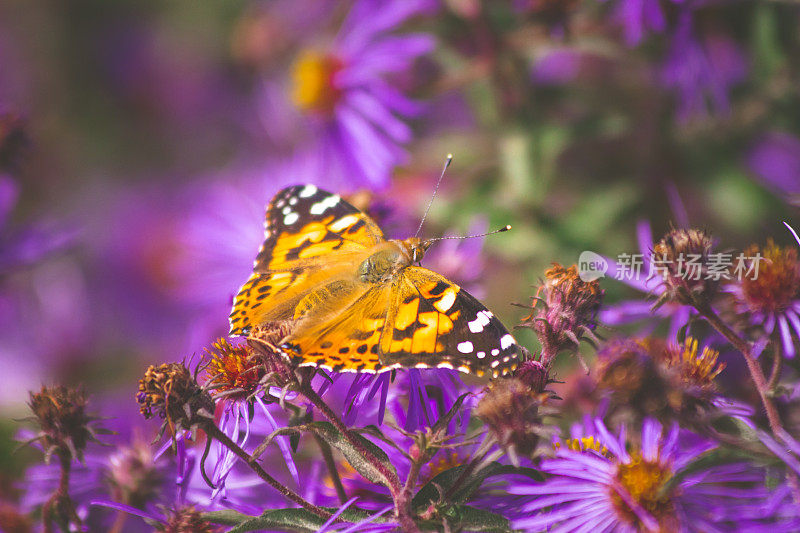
[583, 444]
[313, 88]
[643, 481]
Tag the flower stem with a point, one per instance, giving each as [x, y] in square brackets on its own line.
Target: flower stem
[762, 386]
[214, 432]
[777, 366]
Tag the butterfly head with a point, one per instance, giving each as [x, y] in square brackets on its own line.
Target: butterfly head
[417, 248]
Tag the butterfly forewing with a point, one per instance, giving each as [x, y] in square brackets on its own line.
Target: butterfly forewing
[311, 236]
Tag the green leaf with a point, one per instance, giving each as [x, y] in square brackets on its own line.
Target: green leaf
[295, 520]
[228, 517]
[429, 493]
[466, 518]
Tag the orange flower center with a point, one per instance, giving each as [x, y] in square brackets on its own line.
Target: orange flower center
[778, 279]
[231, 368]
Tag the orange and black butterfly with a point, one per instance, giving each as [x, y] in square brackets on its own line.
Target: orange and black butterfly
[353, 301]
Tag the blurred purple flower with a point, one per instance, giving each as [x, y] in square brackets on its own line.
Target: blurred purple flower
[701, 72]
[21, 247]
[640, 17]
[557, 66]
[599, 483]
[638, 310]
[775, 160]
[348, 106]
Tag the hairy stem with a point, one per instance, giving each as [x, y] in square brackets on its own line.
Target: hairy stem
[777, 366]
[214, 432]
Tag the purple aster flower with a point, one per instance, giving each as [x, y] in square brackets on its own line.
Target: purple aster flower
[347, 99]
[599, 483]
[640, 17]
[768, 293]
[701, 72]
[637, 310]
[775, 160]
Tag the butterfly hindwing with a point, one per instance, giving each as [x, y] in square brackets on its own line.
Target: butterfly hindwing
[435, 323]
[311, 235]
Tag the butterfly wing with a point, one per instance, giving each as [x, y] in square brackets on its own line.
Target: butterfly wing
[435, 323]
[313, 237]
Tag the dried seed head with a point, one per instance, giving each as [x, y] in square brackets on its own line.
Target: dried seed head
[172, 393]
[63, 421]
[681, 259]
[514, 413]
[569, 310]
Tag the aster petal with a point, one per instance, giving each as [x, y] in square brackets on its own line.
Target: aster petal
[282, 442]
[375, 112]
[786, 337]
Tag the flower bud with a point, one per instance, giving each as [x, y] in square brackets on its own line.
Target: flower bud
[569, 311]
[681, 259]
[187, 520]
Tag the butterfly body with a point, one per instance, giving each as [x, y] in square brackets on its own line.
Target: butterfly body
[355, 301]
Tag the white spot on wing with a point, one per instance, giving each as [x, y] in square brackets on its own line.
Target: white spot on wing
[308, 190]
[506, 341]
[465, 347]
[447, 300]
[495, 351]
[290, 219]
[322, 206]
[342, 223]
[481, 355]
[481, 321]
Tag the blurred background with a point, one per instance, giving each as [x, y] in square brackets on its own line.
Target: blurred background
[140, 142]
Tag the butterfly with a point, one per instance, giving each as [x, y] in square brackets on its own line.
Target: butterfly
[354, 301]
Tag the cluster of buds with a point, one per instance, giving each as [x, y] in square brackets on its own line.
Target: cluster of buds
[64, 425]
[514, 410]
[568, 312]
[172, 393]
[654, 378]
[263, 342]
[681, 258]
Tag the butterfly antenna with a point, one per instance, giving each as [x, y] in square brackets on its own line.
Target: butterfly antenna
[501, 230]
[435, 190]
